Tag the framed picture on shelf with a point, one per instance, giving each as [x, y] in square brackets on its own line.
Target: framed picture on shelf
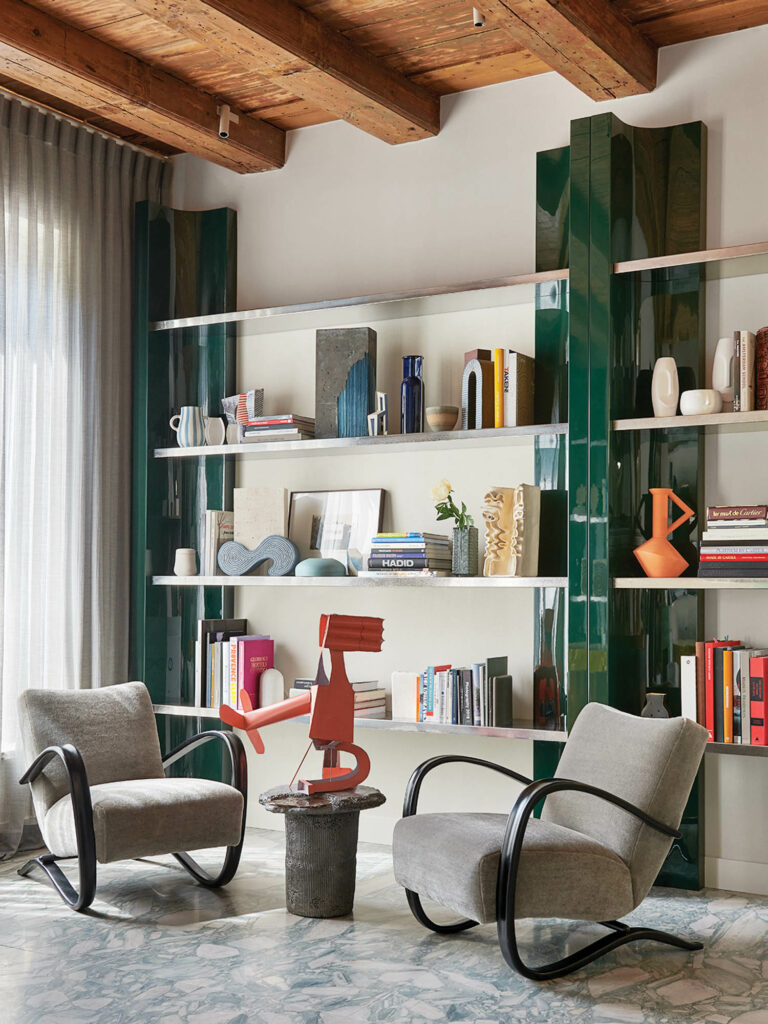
[335, 524]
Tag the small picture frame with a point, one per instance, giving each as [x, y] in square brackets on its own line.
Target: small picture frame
[335, 524]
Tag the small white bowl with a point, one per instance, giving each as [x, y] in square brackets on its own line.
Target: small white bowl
[700, 402]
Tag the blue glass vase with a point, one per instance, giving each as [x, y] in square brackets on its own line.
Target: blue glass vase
[412, 396]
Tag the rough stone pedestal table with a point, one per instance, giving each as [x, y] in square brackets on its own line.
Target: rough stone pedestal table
[320, 846]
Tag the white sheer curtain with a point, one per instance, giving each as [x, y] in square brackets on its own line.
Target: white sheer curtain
[66, 214]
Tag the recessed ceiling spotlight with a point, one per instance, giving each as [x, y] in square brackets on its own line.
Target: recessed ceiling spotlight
[478, 18]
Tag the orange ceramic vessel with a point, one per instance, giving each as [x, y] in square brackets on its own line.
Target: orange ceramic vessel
[657, 556]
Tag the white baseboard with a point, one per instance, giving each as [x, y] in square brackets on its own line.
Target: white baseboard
[736, 875]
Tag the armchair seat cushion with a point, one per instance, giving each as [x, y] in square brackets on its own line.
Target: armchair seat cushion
[146, 817]
[453, 859]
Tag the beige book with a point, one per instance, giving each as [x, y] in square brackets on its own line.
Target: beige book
[259, 512]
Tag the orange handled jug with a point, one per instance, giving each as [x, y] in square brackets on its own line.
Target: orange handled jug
[657, 556]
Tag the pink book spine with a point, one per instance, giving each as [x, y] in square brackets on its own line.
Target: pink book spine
[254, 656]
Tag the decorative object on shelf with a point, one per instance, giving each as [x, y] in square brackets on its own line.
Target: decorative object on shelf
[237, 560]
[442, 417]
[761, 369]
[700, 402]
[259, 512]
[464, 557]
[412, 396]
[345, 381]
[215, 430]
[329, 524]
[271, 687]
[519, 387]
[218, 528]
[654, 706]
[723, 368]
[189, 426]
[512, 517]
[657, 556]
[378, 421]
[185, 562]
[279, 427]
[477, 401]
[546, 685]
[320, 567]
[665, 387]
[243, 407]
[330, 703]
[234, 433]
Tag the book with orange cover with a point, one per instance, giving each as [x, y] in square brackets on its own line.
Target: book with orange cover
[727, 696]
[709, 682]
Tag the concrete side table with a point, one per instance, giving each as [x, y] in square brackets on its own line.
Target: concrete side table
[320, 846]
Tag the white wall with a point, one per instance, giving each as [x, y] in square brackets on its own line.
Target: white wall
[349, 215]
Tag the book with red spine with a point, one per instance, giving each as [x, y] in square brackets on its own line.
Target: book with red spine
[758, 710]
[709, 682]
[254, 656]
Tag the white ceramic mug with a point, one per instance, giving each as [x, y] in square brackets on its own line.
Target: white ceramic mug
[723, 368]
[185, 563]
[665, 387]
[189, 426]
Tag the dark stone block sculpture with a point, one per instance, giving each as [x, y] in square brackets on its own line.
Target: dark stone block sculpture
[345, 381]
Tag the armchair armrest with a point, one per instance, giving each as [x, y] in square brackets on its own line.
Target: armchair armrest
[235, 750]
[414, 783]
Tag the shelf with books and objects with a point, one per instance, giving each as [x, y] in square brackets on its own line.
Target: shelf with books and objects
[390, 580]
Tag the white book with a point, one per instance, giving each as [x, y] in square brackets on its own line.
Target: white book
[405, 696]
[747, 371]
[688, 686]
[477, 689]
[198, 696]
[736, 533]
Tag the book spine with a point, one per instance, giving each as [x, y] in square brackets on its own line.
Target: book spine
[476, 693]
[408, 563]
[709, 691]
[756, 548]
[761, 369]
[508, 404]
[701, 689]
[727, 696]
[744, 694]
[747, 371]
[724, 512]
[758, 731]
[234, 701]
[430, 707]
[717, 675]
[735, 558]
[737, 371]
[737, 698]
[498, 387]
[688, 687]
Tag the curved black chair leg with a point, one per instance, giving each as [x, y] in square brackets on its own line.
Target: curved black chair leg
[228, 869]
[87, 867]
[622, 934]
[421, 916]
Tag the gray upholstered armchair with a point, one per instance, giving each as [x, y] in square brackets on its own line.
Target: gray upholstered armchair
[611, 813]
[100, 791]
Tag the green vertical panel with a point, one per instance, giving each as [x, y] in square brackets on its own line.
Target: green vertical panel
[185, 265]
[578, 419]
[553, 200]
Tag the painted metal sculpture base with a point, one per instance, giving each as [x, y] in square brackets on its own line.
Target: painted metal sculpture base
[330, 703]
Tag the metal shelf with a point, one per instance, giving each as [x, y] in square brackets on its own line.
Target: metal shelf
[744, 749]
[392, 443]
[689, 583]
[473, 582]
[321, 305]
[685, 259]
[725, 422]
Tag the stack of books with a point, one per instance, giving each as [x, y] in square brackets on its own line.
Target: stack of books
[480, 695]
[370, 699]
[228, 660]
[724, 687]
[735, 542]
[406, 554]
[279, 427]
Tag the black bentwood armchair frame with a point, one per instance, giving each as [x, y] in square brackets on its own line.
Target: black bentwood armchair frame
[511, 851]
[80, 795]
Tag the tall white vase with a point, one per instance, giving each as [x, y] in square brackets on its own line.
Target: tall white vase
[665, 387]
[723, 369]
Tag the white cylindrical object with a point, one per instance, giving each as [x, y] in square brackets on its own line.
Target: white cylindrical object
[723, 368]
[665, 387]
[271, 687]
[700, 402]
[185, 563]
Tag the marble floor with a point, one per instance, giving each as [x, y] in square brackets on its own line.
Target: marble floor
[157, 949]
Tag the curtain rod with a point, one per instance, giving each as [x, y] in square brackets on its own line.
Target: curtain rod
[77, 123]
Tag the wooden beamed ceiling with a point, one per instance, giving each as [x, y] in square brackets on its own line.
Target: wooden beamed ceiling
[156, 71]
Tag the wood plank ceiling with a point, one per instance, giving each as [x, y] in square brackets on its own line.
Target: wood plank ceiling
[155, 71]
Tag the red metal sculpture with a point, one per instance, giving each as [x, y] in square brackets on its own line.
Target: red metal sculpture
[331, 703]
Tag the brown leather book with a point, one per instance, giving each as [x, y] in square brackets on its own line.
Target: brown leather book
[761, 369]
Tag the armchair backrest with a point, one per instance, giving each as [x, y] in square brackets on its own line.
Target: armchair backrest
[112, 727]
[650, 762]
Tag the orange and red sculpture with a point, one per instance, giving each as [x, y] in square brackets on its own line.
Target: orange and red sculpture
[330, 703]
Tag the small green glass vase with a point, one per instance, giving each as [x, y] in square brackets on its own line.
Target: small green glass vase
[464, 558]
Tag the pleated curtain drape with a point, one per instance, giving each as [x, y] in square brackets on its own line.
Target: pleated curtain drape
[66, 214]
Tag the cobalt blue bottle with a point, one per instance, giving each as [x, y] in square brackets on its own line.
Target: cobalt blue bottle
[412, 396]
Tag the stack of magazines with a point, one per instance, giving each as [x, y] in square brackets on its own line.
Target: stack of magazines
[279, 427]
[406, 554]
[735, 542]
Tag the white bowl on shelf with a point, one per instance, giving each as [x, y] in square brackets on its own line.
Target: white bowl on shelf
[700, 402]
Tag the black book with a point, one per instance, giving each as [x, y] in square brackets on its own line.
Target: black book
[467, 712]
[733, 570]
[406, 562]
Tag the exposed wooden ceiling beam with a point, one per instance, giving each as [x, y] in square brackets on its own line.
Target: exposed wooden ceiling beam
[587, 41]
[46, 54]
[279, 40]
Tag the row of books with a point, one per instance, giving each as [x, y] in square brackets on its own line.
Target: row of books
[279, 427]
[480, 695]
[407, 553]
[227, 660]
[370, 698]
[724, 688]
[735, 542]
[750, 375]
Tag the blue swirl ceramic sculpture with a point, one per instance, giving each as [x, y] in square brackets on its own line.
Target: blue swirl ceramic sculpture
[236, 560]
